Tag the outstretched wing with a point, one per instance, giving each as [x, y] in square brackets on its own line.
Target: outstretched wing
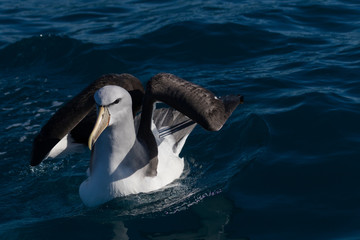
[196, 102]
[78, 116]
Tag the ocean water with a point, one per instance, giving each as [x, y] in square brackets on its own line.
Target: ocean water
[285, 166]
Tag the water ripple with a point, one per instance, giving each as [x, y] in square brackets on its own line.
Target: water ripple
[285, 153]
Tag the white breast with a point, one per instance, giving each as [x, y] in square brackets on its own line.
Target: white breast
[102, 186]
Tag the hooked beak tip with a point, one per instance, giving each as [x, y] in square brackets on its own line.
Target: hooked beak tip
[90, 144]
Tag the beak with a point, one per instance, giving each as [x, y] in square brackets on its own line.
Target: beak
[102, 122]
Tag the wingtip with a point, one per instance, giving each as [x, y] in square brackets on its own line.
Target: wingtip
[42, 145]
[35, 160]
[241, 99]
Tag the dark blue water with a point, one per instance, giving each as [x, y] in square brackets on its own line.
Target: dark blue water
[285, 166]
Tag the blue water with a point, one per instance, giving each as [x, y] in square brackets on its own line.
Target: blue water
[285, 166]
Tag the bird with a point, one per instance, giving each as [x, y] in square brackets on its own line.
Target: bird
[134, 145]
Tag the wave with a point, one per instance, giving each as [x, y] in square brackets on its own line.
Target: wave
[179, 43]
[297, 64]
[207, 174]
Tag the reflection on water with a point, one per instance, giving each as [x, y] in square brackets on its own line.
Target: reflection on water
[212, 215]
[120, 231]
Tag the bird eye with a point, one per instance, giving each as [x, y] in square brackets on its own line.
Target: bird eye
[117, 101]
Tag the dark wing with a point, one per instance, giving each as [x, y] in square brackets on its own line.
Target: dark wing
[196, 102]
[78, 116]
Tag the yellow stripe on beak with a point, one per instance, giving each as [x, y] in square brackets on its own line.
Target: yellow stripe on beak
[102, 122]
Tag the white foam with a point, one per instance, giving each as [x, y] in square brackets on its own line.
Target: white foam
[43, 110]
[32, 126]
[13, 126]
[23, 138]
[56, 103]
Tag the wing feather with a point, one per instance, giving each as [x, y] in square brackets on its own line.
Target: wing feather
[194, 101]
[78, 115]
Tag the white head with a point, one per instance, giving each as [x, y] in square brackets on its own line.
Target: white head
[114, 104]
[116, 99]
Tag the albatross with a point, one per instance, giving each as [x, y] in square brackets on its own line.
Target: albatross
[134, 145]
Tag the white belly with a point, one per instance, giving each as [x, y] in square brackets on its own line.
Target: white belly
[98, 189]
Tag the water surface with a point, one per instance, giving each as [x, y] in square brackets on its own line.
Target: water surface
[286, 164]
